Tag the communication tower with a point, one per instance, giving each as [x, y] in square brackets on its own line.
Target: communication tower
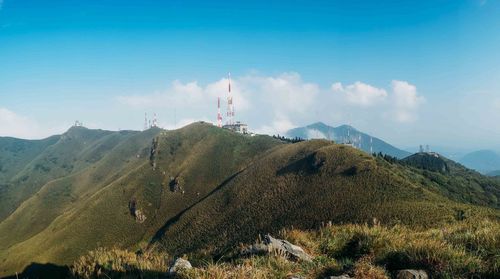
[219, 115]
[230, 106]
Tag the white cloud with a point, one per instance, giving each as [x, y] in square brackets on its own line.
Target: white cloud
[361, 94]
[337, 87]
[496, 105]
[177, 95]
[279, 126]
[274, 104]
[15, 125]
[274, 98]
[181, 123]
[285, 93]
[185, 96]
[315, 134]
[406, 101]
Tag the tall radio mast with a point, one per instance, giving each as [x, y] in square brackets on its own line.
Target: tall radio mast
[219, 115]
[230, 107]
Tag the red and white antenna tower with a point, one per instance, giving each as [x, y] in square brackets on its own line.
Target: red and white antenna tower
[230, 107]
[219, 115]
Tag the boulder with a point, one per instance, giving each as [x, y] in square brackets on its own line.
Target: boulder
[343, 276]
[179, 264]
[412, 274]
[277, 246]
[286, 248]
[139, 216]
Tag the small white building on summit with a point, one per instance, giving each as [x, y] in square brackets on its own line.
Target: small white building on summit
[237, 127]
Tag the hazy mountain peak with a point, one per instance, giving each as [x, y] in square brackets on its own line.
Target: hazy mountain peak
[347, 134]
[482, 160]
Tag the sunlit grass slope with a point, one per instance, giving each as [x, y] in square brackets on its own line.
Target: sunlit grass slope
[202, 188]
[61, 156]
[302, 185]
[81, 211]
[467, 249]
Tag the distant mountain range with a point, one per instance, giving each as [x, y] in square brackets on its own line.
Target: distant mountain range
[347, 134]
[494, 173]
[484, 161]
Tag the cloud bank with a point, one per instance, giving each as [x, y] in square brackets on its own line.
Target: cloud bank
[269, 104]
[13, 124]
[274, 104]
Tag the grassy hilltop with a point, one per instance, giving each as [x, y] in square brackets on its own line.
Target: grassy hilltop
[306, 184]
[206, 189]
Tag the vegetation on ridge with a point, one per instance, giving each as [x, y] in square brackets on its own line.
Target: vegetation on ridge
[462, 250]
[201, 189]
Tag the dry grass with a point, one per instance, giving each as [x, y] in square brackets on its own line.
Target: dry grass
[461, 250]
[281, 185]
[364, 268]
[118, 263]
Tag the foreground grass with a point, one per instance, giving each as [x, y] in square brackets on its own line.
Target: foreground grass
[462, 250]
[117, 263]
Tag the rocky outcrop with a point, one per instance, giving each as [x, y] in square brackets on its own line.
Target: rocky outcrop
[175, 185]
[412, 274]
[343, 276]
[278, 247]
[152, 153]
[178, 265]
[139, 216]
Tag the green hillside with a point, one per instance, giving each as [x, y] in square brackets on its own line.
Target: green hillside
[454, 180]
[304, 185]
[467, 249]
[202, 188]
[70, 215]
[55, 157]
[16, 153]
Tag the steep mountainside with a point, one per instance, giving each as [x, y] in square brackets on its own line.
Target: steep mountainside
[304, 185]
[347, 133]
[16, 153]
[156, 172]
[483, 161]
[40, 162]
[202, 187]
[454, 180]
[428, 161]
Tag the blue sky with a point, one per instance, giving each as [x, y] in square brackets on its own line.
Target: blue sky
[409, 72]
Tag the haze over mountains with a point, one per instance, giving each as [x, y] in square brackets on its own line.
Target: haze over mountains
[206, 188]
[484, 161]
[344, 134]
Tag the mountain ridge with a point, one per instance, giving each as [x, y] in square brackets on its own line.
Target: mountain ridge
[347, 134]
[202, 187]
[483, 161]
